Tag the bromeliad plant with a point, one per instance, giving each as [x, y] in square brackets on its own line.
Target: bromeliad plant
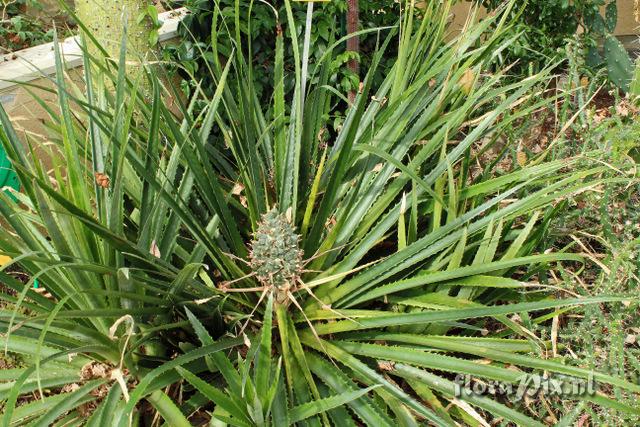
[250, 263]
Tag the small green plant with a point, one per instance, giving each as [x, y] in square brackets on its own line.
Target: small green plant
[18, 31]
[605, 225]
[151, 14]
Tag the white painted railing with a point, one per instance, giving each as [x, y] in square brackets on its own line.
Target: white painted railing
[39, 61]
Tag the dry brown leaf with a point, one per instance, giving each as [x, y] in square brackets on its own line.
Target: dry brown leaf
[237, 189]
[467, 81]
[102, 180]
[155, 250]
[386, 366]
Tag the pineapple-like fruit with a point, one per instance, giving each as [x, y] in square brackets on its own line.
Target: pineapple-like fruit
[275, 256]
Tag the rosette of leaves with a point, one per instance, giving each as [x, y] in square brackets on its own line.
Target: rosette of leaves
[414, 258]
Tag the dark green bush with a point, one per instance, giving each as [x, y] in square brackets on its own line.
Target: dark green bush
[543, 29]
[545, 26]
[195, 52]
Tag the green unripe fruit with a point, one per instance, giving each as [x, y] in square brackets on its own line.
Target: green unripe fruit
[275, 256]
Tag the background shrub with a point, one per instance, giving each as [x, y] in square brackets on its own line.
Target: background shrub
[17, 29]
[194, 53]
[548, 27]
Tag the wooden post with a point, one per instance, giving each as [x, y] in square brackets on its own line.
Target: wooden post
[353, 44]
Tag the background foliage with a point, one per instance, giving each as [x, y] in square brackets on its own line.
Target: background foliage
[257, 24]
[18, 30]
[546, 28]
